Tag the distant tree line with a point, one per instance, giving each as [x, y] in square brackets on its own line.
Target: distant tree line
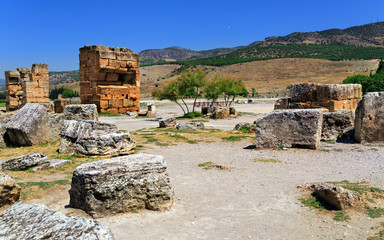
[65, 92]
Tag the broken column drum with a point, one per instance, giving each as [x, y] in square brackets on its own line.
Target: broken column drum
[109, 78]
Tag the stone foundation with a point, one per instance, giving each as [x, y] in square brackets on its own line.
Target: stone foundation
[109, 78]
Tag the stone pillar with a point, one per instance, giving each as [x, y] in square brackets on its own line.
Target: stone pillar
[13, 93]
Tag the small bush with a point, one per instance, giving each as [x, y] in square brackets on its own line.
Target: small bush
[192, 115]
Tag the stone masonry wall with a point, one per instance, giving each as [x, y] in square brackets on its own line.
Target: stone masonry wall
[27, 85]
[329, 97]
[110, 78]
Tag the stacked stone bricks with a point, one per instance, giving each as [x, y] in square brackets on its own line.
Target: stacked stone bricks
[329, 97]
[27, 86]
[109, 78]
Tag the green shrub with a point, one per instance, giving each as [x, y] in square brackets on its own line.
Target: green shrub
[192, 115]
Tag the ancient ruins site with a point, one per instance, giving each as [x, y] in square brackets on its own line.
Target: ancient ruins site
[110, 78]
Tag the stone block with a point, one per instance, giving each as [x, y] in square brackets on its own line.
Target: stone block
[36, 221]
[81, 112]
[9, 190]
[335, 124]
[303, 92]
[369, 120]
[289, 128]
[121, 184]
[25, 161]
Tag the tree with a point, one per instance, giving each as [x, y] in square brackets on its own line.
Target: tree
[66, 93]
[191, 83]
[170, 92]
[232, 88]
[254, 93]
[212, 91]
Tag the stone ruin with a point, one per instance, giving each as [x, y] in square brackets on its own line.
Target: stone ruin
[27, 85]
[109, 78]
[329, 97]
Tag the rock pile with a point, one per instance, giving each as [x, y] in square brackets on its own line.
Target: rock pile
[9, 190]
[369, 121]
[36, 221]
[31, 125]
[289, 128]
[121, 184]
[94, 138]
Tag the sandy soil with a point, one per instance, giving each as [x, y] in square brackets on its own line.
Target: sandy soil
[253, 200]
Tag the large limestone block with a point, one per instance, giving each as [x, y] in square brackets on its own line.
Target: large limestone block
[81, 112]
[303, 92]
[336, 123]
[369, 121]
[24, 161]
[36, 221]
[289, 128]
[3, 138]
[325, 92]
[121, 184]
[94, 138]
[9, 190]
[30, 125]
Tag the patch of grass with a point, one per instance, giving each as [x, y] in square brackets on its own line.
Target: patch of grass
[374, 149]
[192, 141]
[337, 149]
[199, 120]
[134, 211]
[244, 129]
[360, 187]
[375, 212]
[205, 164]
[192, 115]
[177, 136]
[44, 185]
[161, 144]
[325, 150]
[152, 140]
[330, 142]
[341, 217]
[234, 138]
[312, 202]
[2, 104]
[267, 160]
[107, 114]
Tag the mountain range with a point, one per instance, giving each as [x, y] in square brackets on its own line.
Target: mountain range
[369, 35]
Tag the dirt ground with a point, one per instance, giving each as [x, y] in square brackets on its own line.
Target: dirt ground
[251, 200]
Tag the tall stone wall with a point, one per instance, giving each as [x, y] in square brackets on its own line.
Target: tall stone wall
[110, 78]
[329, 97]
[27, 85]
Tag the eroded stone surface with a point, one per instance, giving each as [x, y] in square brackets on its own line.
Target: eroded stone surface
[167, 122]
[121, 184]
[54, 163]
[220, 113]
[9, 190]
[336, 124]
[31, 125]
[81, 112]
[36, 221]
[289, 128]
[369, 121]
[94, 138]
[338, 197]
[24, 161]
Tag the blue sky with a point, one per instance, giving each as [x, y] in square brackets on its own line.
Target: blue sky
[52, 31]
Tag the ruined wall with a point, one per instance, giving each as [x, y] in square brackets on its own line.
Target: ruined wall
[329, 97]
[27, 85]
[110, 78]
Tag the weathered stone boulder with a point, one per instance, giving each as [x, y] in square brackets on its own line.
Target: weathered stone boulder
[94, 138]
[30, 125]
[336, 124]
[3, 137]
[54, 163]
[303, 92]
[81, 112]
[220, 113]
[131, 114]
[121, 184]
[282, 103]
[24, 161]
[369, 121]
[207, 110]
[185, 126]
[36, 221]
[198, 125]
[232, 111]
[9, 190]
[167, 122]
[337, 197]
[289, 128]
[59, 104]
